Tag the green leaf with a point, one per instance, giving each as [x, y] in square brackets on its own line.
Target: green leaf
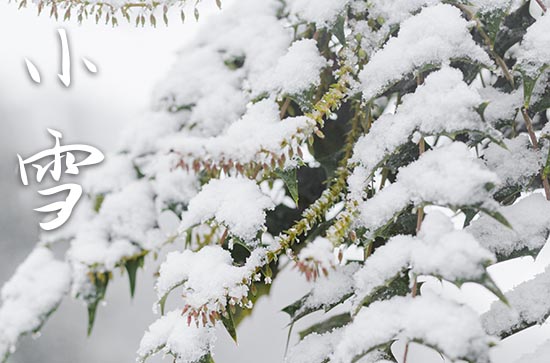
[529, 83]
[338, 30]
[132, 267]
[162, 300]
[498, 216]
[290, 179]
[487, 282]
[481, 110]
[470, 213]
[398, 285]
[524, 252]
[206, 359]
[528, 87]
[508, 194]
[100, 281]
[235, 62]
[229, 324]
[492, 21]
[261, 290]
[328, 325]
[546, 169]
[299, 309]
[513, 29]
[98, 201]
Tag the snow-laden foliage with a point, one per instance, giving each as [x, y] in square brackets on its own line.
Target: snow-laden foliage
[366, 112]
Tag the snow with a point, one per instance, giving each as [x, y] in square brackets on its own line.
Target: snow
[438, 250]
[434, 36]
[443, 104]
[446, 176]
[486, 6]
[286, 77]
[321, 12]
[255, 137]
[453, 329]
[314, 348]
[357, 183]
[384, 264]
[211, 92]
[383, 207]
[331, 289]
[130, 213]
[529, 305]
[449, 175]
[530, 219]
[93, 247]
[319, 251]
[141, 139]
[32, 293]
[534, 50]
[516, 165]
[124, 226]
[502, 106]
[171, 334]
[208, 278]
[211, 89]
[176, 186]
[454, 255]
[394, 12]
[114, 173]
[213, 107]
[217, 200]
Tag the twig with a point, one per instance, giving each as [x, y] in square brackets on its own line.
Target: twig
[500, 62]
[534, 141]
[419, 219]
[542, 6]
[284, 108]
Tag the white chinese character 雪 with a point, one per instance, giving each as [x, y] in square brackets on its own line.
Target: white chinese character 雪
[59, 153]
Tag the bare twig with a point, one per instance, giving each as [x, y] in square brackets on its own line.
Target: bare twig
[534, 141]
[284, 108]
[542, 6]
[419, 219]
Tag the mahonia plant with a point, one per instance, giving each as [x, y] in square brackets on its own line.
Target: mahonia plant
[375, 145]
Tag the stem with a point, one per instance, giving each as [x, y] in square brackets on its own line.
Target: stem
[542, 6]
[406, 353]
[419, 218]
[500, 62]
[420, 211]
[534, 141]
[284, 108]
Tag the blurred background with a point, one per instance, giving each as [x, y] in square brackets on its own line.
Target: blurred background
[94, 110]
